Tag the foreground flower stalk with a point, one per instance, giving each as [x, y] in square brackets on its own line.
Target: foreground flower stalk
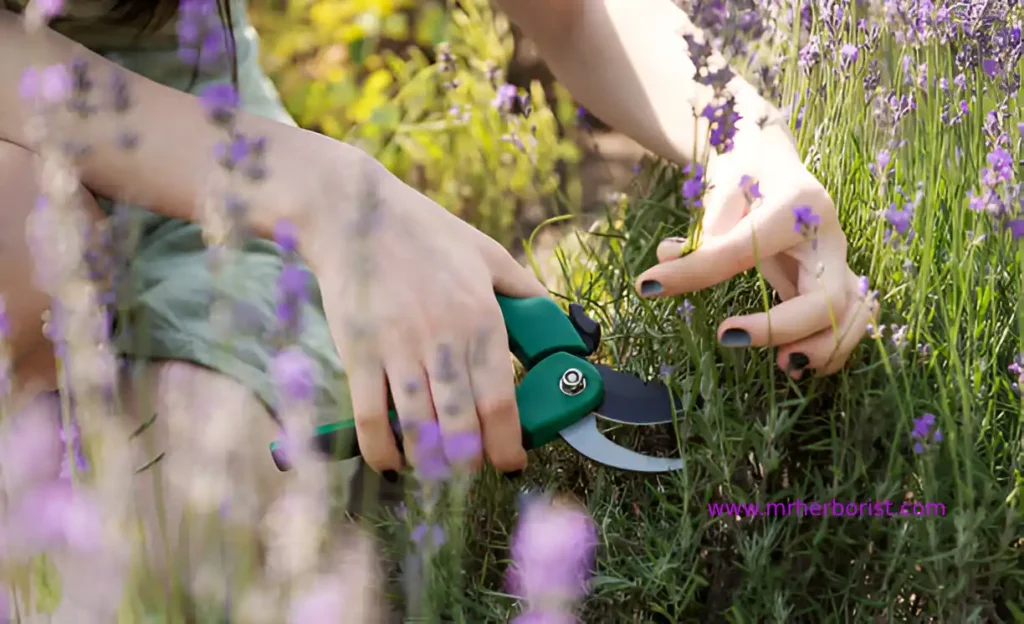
[553, 552]
[78, 519]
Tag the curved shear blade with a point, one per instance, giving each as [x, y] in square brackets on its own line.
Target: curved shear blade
[630, 400]
[591, 443]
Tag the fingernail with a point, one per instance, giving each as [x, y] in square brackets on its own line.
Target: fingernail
[391, 476]
[735, 338]
[650, 287]
[513, 475]
[675, 239]
[798, 361]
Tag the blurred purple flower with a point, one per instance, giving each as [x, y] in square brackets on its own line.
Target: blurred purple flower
[287, 236]
[220, 101]
[49, 85]
[462, 446]
[5, 321]
[202, 38]
[806, 223]
[294, 374]
[57, 514]
[552, 550]
[429, 453]
[925, 432]
[751, 187]
[685, 311]
[321, 603]
[504, 98]
[693, 186]
[431, 535]
[538, 616]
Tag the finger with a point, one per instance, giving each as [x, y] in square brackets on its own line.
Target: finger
[827, 351]
[452, 394]
[724, 207]
[377, 444]
[492, 375]
[775, 273]
[411, 397]
[771, 268]
[509, 277]
[795, 319]
[765, 232]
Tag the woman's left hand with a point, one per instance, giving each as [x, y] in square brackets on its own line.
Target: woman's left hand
[764, 209]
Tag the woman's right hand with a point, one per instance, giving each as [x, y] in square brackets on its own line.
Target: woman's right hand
[409, 293]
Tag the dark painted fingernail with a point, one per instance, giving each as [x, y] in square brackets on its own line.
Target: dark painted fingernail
[798, 361]
[391, 476]
[512, 476]
[650, 287]
[735, 338]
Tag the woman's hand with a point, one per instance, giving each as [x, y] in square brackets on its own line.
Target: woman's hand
[409, 293]
[764, 209]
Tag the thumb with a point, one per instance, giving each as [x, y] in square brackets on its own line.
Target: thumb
[511, 278]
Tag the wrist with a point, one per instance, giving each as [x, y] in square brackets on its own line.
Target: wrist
[343, 184]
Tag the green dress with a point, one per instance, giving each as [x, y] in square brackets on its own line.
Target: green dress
[168, 302]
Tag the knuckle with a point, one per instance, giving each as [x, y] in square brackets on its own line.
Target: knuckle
[367, 417]
[497, 407]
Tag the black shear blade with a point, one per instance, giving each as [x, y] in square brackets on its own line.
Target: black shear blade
[632, 401]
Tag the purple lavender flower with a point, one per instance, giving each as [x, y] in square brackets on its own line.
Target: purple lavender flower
[56, 515]
[751, 187]
[552, 550]
[1016, 227]
[429, 453]
[723, 118]
[71, 438]
[925, 433]
[545, 616]
[848, 54]
[286, 235]
[462, 446]
[5, 321]
[294, 374]
[220, 102]
[49, 85]
[693, 186]
[424, 534]
[806, 223]
[202, 37]
[685, 311]
[900, 223]
[1017, 369]
[504, 98]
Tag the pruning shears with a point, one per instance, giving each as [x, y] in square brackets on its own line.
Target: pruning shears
[561, 395]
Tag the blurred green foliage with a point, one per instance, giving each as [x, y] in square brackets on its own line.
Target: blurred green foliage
[416, 85]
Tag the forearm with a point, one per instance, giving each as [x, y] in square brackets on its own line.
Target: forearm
[170, 170]
[627, 61]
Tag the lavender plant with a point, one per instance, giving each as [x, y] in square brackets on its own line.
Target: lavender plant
[908, 112]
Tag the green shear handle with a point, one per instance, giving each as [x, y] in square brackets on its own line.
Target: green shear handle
[559, 389]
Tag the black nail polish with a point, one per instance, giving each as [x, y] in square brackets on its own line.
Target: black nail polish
[650, 287]
[513, 475]
[735, 338]
[391, 476]
[798, 361]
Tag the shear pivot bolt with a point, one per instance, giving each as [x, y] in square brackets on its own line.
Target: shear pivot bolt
[572, 383]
